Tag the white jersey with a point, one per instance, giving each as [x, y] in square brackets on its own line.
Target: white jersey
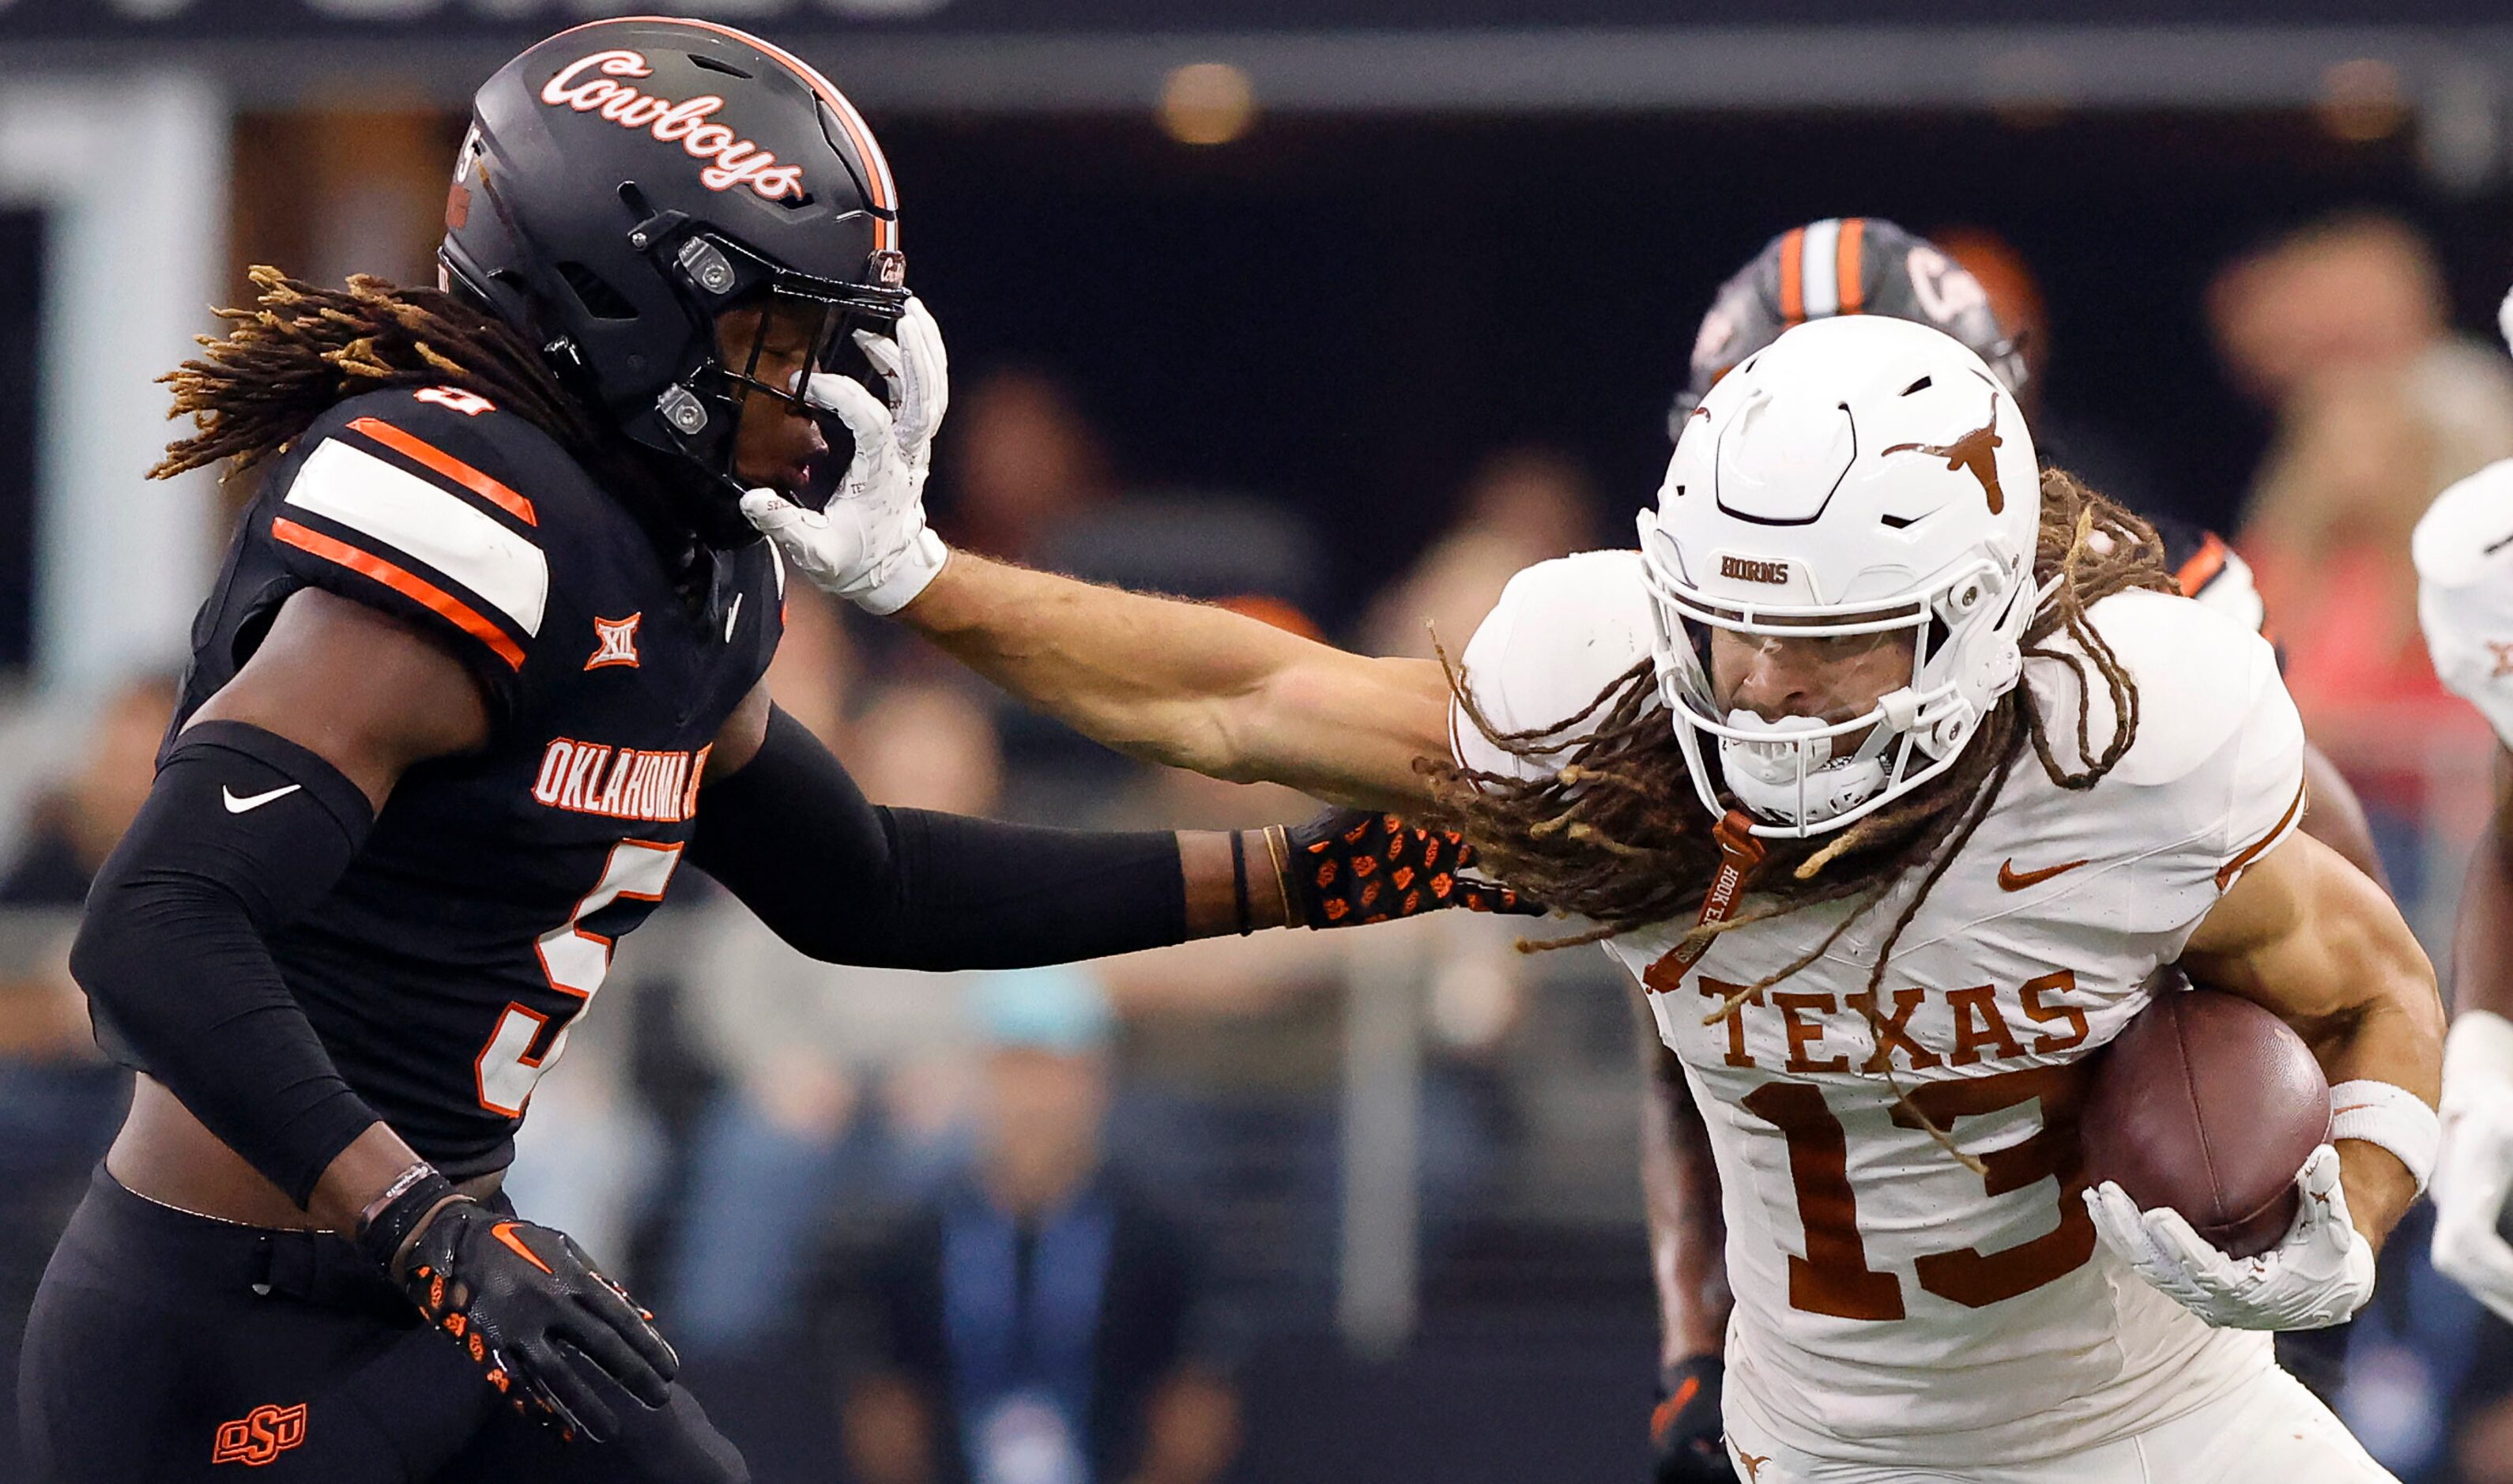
[2465, 555]
[1892, 1305]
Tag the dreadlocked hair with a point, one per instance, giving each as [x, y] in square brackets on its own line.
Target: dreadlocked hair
[301, 349]
[1617, 836]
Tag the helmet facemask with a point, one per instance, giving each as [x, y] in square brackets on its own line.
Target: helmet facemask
[1838, 757]
[805, 325]
[1863, 494]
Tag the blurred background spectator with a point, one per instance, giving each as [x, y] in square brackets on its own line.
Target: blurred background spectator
[1522, 506]
[843, 1088]
[59, 1100]
[1020, 464]
[2342, 329]
[1040, 1321]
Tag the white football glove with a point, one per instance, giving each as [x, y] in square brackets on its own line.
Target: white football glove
[870, 544]
[2474, 1173]
[2319, 1274]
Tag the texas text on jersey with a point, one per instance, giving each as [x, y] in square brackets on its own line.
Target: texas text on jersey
[1884, 1293]
[482, 909]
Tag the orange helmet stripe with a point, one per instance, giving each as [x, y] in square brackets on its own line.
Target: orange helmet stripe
[1847, 265]
[1793, 275]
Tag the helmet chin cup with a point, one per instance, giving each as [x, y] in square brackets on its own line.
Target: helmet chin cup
[1794, 775]
[1797, 745]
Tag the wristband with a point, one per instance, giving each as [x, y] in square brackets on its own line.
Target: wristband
[1239, 879]
[385, 1226]
[1278, 850]
[2389, 1116]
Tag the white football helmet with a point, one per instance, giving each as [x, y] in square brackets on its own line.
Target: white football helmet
[1861, 476]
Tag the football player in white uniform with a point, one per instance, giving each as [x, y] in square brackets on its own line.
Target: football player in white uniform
[1817, 270]
[1894, 785]
[2464, 556]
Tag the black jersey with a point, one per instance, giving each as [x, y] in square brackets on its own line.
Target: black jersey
[476, 924]
[2209, 571]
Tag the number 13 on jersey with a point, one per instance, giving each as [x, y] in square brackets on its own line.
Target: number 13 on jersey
[1835, 1277]
[576, 963]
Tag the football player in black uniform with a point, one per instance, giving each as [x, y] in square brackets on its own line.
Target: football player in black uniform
[1869, 265]
[481, 673]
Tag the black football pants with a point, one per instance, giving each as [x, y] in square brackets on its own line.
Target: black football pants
[169, 1347]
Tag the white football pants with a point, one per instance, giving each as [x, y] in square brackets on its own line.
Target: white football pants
[2270, 1430]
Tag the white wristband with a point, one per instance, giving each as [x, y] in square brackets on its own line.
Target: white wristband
[2388, 1115]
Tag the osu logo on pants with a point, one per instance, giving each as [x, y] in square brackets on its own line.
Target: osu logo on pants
[259, 1435]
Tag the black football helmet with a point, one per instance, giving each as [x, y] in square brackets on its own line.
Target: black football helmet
[626, 180]
[1841, 266]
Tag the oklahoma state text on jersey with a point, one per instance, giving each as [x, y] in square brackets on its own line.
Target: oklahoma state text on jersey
[443, 970]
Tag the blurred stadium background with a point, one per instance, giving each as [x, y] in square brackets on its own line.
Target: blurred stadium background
[1343, 311]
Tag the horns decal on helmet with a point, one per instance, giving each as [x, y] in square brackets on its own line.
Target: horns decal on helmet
[1975, 452]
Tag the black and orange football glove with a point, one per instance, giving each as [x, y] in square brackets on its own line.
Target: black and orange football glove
[523, 1301]
[1687, 1442]
[1348, 867]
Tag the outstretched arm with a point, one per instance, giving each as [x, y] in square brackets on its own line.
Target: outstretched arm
[1171, 682]
[783, 828]
[1679, 1194]
[1191, 685]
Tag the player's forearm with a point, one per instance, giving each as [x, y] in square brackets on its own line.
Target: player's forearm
[2394, 1037]
[1189, 685]
[846, 881]
[2312, 940]
[1679, 1199]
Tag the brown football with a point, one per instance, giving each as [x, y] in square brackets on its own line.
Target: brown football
[2208, 1104]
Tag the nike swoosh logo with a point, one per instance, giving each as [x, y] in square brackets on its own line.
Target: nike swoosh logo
[505, 1232]
[248, 805]
[2009, 879]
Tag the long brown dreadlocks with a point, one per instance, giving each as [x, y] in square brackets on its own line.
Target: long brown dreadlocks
[301, 349]
[1617, 836]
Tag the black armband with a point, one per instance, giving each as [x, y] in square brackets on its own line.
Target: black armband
[847, 881]
[243, 833]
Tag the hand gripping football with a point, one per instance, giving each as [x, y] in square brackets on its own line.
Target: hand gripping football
[2206, 1103]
